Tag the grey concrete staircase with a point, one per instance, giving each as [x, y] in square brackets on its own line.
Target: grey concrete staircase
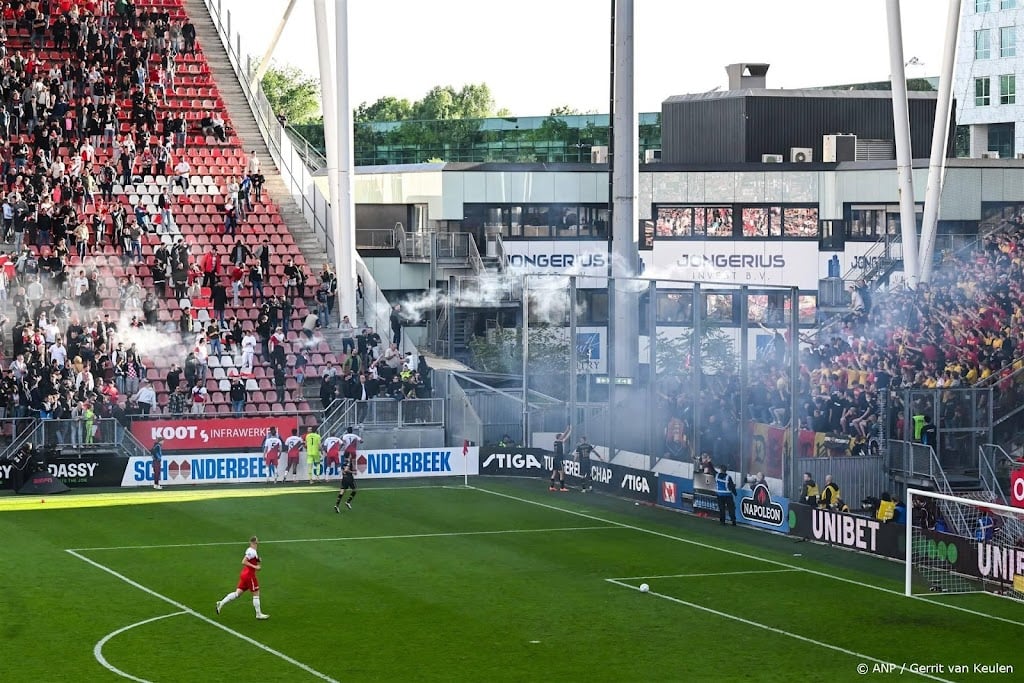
[246, 128]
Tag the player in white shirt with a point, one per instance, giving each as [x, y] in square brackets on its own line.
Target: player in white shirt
[349, 441]
[293, 447]
[272, 453]
[332, 448]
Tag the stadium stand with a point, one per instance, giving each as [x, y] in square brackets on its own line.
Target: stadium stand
[127, 197]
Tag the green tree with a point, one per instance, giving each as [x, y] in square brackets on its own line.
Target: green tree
[473, 101]
[384, 109]
[564, 110]
[292, 93]
[502, 352]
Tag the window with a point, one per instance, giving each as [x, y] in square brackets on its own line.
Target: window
[982, 44]
[696, 221]
[982, 92]
[718, 308]
[982, 6]
[1008, 4]
[1000, 139]
[1008, 89]
[801, 222]
[674, 308]
[1008, 41]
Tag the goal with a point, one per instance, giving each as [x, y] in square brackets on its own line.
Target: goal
[961, 545]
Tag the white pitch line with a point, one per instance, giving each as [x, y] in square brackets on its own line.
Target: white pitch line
[266, 648]
[443, 534]
[694, 576]
[97, 649]
[737, 553]
[781, 632]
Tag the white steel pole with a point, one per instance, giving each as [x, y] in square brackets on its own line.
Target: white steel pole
[345, 229]
[904, 154]
[940, 138]
[264, 64]
[328, 85]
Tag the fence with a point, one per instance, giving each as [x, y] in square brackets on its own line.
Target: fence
[857, 476]
[963, 419]
[387, 412]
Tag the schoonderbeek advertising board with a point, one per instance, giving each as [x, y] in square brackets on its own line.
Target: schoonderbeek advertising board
[240, 468]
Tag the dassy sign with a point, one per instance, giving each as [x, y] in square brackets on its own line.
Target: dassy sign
[211, 434]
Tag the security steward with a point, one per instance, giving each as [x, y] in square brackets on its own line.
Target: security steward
[725, 488]
[809, 490]
[830, 495]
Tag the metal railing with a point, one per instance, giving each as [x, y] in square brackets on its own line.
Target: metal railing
[388, 412]
[463, 421]
[919, 461]
[376, 238]
[994, 467]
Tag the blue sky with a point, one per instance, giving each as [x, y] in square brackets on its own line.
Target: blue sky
[538, 54]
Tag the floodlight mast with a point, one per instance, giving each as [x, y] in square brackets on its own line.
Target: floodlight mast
[940, 140]
[261, 68]
[904, 153]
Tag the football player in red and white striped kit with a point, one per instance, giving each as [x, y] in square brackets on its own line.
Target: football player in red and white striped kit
[247, 580]
[272, 453]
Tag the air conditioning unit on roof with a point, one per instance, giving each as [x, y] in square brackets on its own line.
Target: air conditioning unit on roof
[771, 158]
[801, 155]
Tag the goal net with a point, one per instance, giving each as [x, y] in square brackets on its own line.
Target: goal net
[960, 545]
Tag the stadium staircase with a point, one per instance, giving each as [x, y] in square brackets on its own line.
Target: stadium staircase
[236, 104]
[200, 80]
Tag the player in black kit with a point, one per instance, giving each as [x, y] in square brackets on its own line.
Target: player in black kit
[583, 452]
[348, 483]
[558, 461]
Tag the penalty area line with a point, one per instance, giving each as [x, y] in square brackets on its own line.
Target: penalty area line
[748, 556]
[336, 539]
[773, 629]
[97, 649]
[705, 574]
[188, 610]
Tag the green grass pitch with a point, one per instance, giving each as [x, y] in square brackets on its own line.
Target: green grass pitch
[502, 581]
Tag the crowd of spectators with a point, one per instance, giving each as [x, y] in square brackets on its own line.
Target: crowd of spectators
[84, 91]
[965, 328]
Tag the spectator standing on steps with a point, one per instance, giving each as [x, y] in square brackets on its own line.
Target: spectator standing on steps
[725, 488]
[396, 325]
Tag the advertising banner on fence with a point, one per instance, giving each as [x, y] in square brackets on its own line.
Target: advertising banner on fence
[515, 461]
[675, 492]
[1017, 488]
[218, 433]
[536, 462]
[987, 561]
[856, 532]
[240, 468]
[85, 471]
[759, 508]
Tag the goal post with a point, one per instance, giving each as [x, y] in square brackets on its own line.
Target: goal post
[963, 545]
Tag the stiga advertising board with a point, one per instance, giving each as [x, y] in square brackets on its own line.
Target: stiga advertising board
[856, 532]
[515, 461]
[537, 462]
